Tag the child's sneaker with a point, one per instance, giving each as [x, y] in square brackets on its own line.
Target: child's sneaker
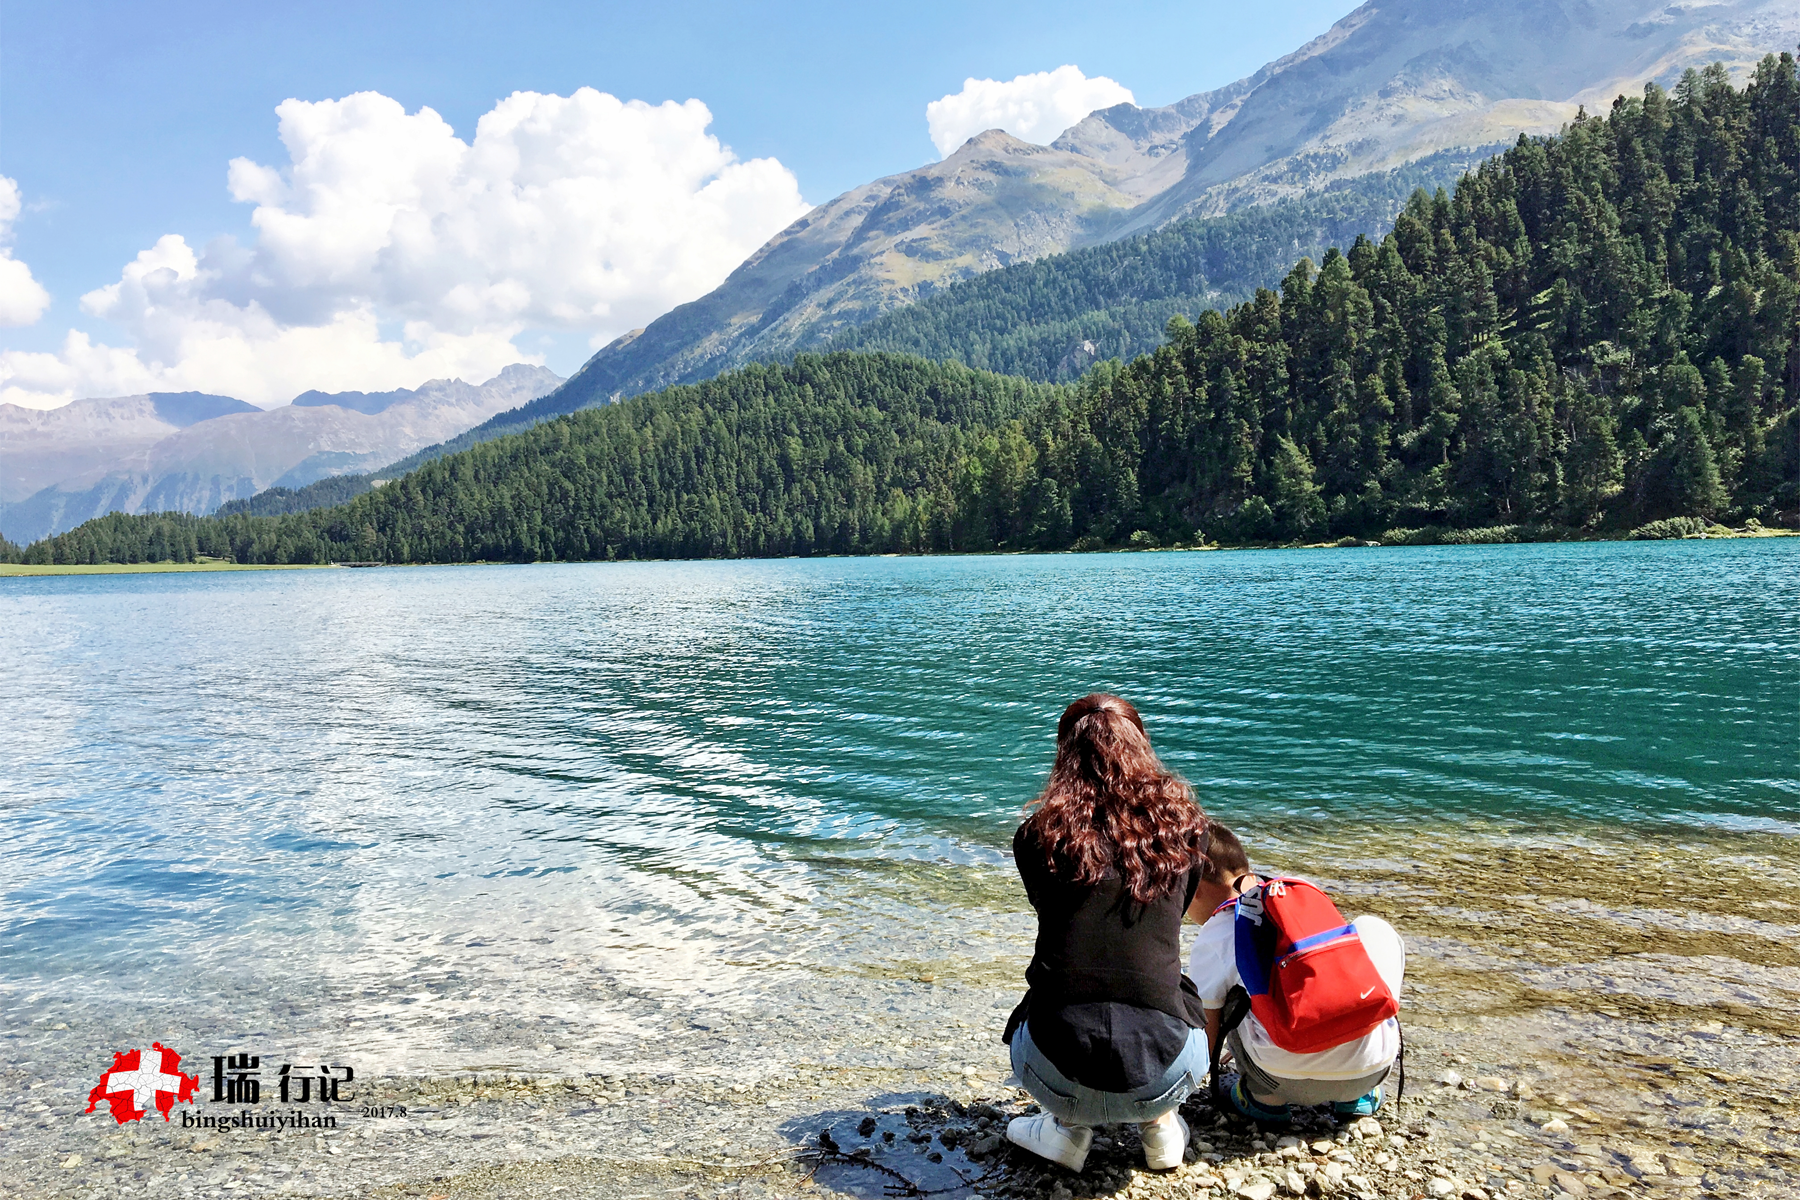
[1367, 1106]
[1047, 1137]
[1241, 1100]
[1165, 1141]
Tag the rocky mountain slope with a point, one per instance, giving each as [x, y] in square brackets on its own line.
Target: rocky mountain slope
[191, 453]
[40, 447]
[1393, 82]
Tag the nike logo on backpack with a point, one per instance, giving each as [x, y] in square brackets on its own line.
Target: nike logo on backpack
[1366, 994]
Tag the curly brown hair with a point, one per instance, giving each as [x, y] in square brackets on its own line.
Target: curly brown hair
[1111, 805]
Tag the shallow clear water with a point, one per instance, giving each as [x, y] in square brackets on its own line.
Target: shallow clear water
[257, 794]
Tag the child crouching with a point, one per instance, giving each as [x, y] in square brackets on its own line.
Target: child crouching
[1272, 1077]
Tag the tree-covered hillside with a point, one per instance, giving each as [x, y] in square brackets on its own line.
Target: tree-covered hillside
[1596, 331]
[1597, 326]
[845, 454]
[1050, 319]
[277, 501]
[1054, 318]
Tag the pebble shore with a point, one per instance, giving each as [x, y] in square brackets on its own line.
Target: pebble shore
[1573, 1031]
[825, 1132]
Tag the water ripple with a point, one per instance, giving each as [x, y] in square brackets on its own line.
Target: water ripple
[682, 762]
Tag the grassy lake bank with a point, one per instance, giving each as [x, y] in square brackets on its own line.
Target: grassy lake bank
[151, 568]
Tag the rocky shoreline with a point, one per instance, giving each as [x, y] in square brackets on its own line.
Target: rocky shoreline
[1475, 1138]
[1574, 1029]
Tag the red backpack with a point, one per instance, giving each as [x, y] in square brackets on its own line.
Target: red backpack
[1311, 982]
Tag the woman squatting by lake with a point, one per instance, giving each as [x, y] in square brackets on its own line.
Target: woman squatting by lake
[1110, 1030]
[1114, 852]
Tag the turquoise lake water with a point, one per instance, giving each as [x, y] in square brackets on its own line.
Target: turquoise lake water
[319, 780]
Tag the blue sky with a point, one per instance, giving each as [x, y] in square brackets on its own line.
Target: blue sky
[118, 120]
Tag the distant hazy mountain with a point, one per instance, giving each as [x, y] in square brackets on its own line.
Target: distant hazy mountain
[1393, 82]
[40, 447]
[192, 452]
[368, 403]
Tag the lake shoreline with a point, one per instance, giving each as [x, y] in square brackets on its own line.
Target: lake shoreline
[31, 570]
[724, 845]
[1720, 533]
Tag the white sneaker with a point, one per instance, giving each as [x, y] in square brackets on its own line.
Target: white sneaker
[1165, 1141]
[1047, 1137]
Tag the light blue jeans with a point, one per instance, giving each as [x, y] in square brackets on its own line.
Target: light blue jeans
[1076, 1104]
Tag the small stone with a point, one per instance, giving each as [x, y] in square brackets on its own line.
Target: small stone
[1368, 1127]
[1570, 1183]
[1556, 1125]
[1492, 1083]
[1322, 1146]
[1476, 1193]
[1293, 1183]
[1681, 1166]
[1440, 1186]
[1524, 1091]
[1256, 1189]
[1450, 1079]
[1284, 1143]
[71, 1162]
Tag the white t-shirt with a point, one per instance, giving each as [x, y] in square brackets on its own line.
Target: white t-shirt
[1212, 965]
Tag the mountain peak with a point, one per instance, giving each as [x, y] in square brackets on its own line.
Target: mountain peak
[182, 409]
[1392, 83]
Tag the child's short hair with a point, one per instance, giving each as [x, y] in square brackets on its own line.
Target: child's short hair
[1225, 857]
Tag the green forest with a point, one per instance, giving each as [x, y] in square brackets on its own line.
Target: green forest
[1053, 318]
[843, 454]
[1596, 332]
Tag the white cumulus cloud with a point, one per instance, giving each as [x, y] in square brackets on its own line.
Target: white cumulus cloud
[389, 251]
[22, 298]
[1033, 108]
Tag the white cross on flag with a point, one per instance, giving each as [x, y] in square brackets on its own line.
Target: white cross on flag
[139, 1081]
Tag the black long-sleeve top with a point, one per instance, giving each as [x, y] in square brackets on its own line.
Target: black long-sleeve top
[1107, 1002]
